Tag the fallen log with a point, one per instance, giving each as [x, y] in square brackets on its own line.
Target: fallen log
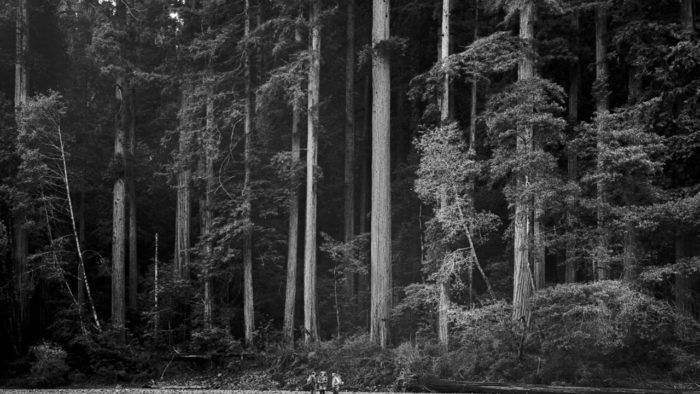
[437, 385]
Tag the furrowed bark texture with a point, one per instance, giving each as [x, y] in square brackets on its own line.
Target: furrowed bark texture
[119, 207]
[133, 252]
[522, 275]
[208, 207]
[310, 308]
[381, 278]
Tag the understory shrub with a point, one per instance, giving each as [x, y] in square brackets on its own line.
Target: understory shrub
[50, 367]
[588, 333]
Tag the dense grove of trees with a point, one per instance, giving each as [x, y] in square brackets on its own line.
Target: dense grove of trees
[463, 161]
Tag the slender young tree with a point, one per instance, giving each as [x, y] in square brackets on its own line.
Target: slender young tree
[293, 240]
[349, 176]
[380, 239]
[248, 311]
[310, 308]
[601, 265]
[522, 276]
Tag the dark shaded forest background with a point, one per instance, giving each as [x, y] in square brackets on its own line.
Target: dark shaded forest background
[542, 160]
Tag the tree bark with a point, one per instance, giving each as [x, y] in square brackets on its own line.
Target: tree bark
[119, 208]
[381, 277]
[310, 308]
[688, 15]
[571, 154]
[208, 211]
[81, 239]
[184, 175]
[522, 276]
[349, 176]
[445, 115]
[601, 265]
[133, 253]
[21, 247]
[248, 308]
[293, 241]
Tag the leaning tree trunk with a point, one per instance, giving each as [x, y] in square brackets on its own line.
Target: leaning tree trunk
[380, 239]
[443, 285]
[571, 154]
[184, 175]
[248, 311]
[601, 265]
[293, 241]
[133, 253]
[522, 276]
[19, 220]
[119, 207]
[310, 308]
[349, 176]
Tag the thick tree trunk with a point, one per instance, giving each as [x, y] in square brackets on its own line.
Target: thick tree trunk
[21, 247]
[133, 253]
[445, 115]
[601, 265]
[248, 309]
[571, 154]
[538, 243]
[349, 177]
[119, 207]
[293, 241]
[208, 203]
[522, 276]
[184, 175]
[310, 308]
[381, 277]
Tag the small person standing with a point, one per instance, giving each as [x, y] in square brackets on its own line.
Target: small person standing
[311, 381]
[336, 382]
[322, 382]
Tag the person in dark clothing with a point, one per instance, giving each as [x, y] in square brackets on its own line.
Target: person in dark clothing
[311, 382]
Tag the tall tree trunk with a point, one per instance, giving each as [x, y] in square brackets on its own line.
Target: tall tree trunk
[538, 242]
[522, 276]
[601, 265]
[310, 308]
[133, 253]
[571, 154]
[630, 242]
[119, 207]
[683, 282]
[208, 203]
[248, 309]
[19, 220]
[349, 178]
[688, 15]
[293, 241]
[381, 278]
[184, 175]
[365, 156]
[472, 141]
[445, 115]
